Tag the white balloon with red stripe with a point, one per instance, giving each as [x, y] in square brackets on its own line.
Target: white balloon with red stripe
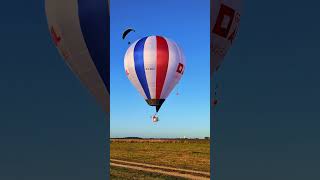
[80, 31]
[154, 65]
[225, 21]
[224, 26]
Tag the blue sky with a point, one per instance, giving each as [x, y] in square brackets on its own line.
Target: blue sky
[185, 22]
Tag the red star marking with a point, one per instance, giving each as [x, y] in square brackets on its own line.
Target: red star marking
[56, 38]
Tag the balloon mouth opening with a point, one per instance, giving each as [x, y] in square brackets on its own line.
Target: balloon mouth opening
[155, 102]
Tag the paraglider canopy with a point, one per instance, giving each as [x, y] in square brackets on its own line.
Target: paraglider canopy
[126, 32]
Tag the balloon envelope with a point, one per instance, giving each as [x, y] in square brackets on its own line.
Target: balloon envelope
[154, 65]
[225, 21]
[80, 31]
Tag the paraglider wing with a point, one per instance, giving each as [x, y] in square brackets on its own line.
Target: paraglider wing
[80, 30]
[154, 65]
[126, 32]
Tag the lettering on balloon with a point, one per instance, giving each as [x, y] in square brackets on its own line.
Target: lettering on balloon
[237, 18]
[150, 69]
[224, 21]
[233, 35]
[180, 68]
[225, 25]
[235, 31]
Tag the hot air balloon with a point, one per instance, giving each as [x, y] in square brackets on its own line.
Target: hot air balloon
[154, 65]
[225, 21]
[80, 31]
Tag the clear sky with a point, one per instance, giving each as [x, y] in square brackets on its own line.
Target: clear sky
[186, 23]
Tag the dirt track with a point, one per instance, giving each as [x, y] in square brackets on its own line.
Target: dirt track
[177, 172]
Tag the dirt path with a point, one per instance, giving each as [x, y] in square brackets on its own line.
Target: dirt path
[177, 172]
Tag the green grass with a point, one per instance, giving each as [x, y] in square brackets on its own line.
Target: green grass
[118, 173]
[188, 155]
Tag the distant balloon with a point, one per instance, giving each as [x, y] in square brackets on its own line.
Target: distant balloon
[154, 65]
[225, 21]
[80, 30]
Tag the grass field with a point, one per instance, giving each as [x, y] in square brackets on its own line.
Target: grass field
[186, 154]
[128, 174]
